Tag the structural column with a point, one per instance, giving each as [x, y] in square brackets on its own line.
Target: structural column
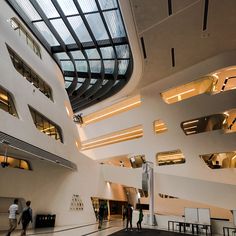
[148, 185]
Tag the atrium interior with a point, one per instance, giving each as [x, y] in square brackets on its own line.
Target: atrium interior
[118, 102]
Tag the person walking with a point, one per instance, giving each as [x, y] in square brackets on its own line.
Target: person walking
[129, 214]
[13, 211]
[140, 219]
[26, 218]
[101, 213]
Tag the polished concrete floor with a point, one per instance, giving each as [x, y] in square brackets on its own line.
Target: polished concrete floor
[91, 229]
[109, 228]
[113, 228]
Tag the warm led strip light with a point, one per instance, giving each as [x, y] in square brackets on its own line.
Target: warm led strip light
[192, 127]
[179, 94]
[134, 104]
[127, 135]
[157, 130]
[190, 122]
[159, 126]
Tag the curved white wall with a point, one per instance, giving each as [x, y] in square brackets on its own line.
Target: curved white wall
[213, 182]
[50, 187]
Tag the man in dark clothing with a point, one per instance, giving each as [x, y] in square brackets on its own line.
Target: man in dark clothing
[129, 214]
[26, 218]
[101, 215]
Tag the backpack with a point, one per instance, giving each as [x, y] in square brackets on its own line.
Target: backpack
[26, 215]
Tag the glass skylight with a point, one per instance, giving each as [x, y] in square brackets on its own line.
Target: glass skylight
[68, 7]
[48, 8]
[86, 33]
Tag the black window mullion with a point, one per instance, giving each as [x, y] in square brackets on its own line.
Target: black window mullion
[73, 85]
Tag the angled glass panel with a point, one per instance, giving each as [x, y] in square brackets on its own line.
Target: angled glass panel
[87, 5]
[28, 9]
[104, 82]
[90, 86]
[93, 81]
[47, 34]
[92, 54]
[122, 51]
[69, 79]
[67, 83]
[95, 66]
[117, 81]
[63, 31]
[78, 85]
[109, 66]
[107, 52]
[68, 7]
[108, 4]
[81, 80]
[77, 55]
[81, 66]
[48, 8]
[99, 32]
[79, 28]
[62, 55]
[67, 66]
[122, 66]
[115, 24]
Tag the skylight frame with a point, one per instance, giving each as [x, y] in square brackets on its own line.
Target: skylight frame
[58, 11]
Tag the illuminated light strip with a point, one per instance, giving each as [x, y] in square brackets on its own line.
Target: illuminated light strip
[190, 122]
[156, 125]
[161, 129]
[114, 136]
[112, 112]
[179, 94]
[216, 75]
[190, 127]
[112, 141]
[171, 155]
[233, 157]
[190, 132]
[52, 127]
[4, 102]
[4, 97]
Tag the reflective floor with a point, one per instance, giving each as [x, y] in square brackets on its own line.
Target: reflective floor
[76, 230]
[92, 229]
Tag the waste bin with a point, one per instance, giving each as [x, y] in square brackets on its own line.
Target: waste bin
[43, 221]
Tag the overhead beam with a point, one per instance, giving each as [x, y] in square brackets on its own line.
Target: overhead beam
[93, 75]
[91, 45]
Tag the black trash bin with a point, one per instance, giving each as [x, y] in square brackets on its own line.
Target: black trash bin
[45, 221]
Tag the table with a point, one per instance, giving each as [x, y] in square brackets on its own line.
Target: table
[194, 227]
[226, 230]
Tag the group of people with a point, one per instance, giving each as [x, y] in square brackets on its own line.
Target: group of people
[128, 214]
[25, 217]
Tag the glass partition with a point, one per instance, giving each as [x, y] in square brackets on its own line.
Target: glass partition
[29, 74]
[14, 163]
[220, 160]
[207, 123]
[170, 158]
[20, 29]
[6, 102]
[46, 126]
